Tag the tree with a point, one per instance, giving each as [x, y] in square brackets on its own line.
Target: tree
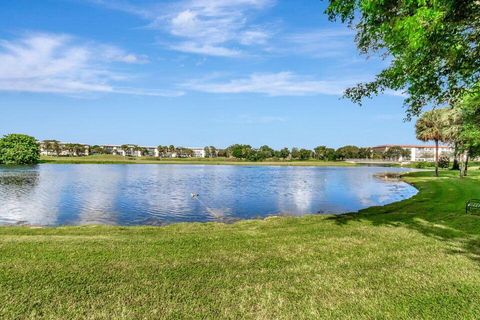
[284, 153]
[432, 47]
[222, 153]
[162, 151]
[75, 149]
[320, 152]
[52, 146]
[124, 148]
[295, 153]
[395, 153]
[348, 152]
[431, 127]
[330, 154]
[210, 152]
[19, 149]
[305, 154]
[239, 151]
[462, 128]
[364, 153]
[266, 152]
[97, 150]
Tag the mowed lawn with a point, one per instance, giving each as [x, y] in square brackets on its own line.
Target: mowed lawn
[416, 259]
[117, 159]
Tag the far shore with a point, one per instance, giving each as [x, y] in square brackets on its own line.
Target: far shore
[112, 159]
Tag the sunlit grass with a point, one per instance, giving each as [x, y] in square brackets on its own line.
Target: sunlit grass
[419, 258]
[116, 159]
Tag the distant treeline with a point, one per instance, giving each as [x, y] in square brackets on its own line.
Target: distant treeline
[247, 152]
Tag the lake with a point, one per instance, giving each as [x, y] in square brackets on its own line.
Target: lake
[55, 194]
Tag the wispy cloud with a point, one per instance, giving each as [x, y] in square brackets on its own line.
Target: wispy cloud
[54, 63]
[322, 43]
[207, 27]
[271, 84]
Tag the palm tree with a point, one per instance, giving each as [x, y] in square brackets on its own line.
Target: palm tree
[431, 127]
[124, 148]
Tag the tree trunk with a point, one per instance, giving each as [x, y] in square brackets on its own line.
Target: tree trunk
[463, 161]
[465, 173]
[455, 166]
[436, 158]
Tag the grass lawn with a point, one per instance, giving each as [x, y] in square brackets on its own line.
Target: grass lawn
[416, 259]
[112, 159]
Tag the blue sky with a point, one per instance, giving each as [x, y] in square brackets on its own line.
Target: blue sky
[188, 72]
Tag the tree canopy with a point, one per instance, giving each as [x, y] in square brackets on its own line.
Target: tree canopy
[19, 149]
[432, 46]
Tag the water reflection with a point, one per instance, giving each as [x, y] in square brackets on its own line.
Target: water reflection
[159, 194]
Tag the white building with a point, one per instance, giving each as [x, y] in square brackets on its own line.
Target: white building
[57, 148]
[131, 150]
[418, 152]
[198, 152]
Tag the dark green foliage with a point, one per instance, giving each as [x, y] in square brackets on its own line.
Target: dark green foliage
[395, 153]
[19, 149]
[432, 46]
[423, 165]
[348, 152]
[444, 162]
[325, 154]
[97, 150]
[211, 152]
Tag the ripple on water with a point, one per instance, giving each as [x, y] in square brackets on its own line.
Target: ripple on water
[160, 194]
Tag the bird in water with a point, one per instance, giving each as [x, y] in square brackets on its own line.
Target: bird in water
[194, 195]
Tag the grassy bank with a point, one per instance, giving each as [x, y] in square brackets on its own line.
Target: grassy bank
[419, 258]
[111, 159]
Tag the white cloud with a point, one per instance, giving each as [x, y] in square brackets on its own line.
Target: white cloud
[62, 64]
[272, 84]
[323, 43]
[205, 49]
[115, 54]
[206, 27]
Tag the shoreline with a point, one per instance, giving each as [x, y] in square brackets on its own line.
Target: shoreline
[193, 161]
[219, 270]
[397, 176]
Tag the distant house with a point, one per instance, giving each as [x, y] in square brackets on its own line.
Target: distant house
[418, 152]
[57, 148]
[198, 152]
[131, 150]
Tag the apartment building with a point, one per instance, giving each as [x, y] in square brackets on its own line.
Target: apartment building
[418, 152]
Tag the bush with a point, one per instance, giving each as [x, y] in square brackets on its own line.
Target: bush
[444, 162]
[423, 165]
[19, 149]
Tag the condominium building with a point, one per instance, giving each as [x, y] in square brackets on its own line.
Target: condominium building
[57, 148]
[198, 152]
[418, 152]
[131, 150]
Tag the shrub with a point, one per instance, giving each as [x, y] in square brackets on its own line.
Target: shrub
[19, 149]
[444, 162]
[423, 165]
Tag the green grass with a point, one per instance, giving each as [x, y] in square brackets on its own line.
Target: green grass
[111, 159]
[416, 259]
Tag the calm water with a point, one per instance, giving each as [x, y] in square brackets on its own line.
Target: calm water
[158, 194]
